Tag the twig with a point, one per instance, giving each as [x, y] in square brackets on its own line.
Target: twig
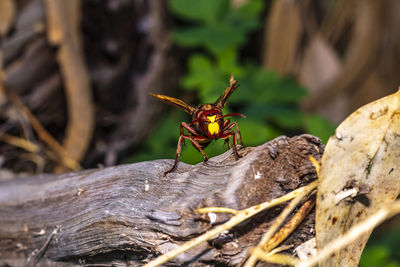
[256, 253]
[238, 218]
[43, 134]
[216, 210]
[63, 21]
[290, 226]
[279, 259]
[280, 249]
[37, 159]
[39, 254]
[19, 142]
[315, 163]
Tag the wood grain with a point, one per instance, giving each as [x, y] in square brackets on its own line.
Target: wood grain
[130, 213]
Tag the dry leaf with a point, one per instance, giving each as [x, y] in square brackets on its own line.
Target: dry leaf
[360, 172]
[7, 14]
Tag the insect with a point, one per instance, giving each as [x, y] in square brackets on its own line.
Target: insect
[207, 123]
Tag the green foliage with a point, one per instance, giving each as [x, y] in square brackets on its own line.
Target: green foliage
[217, 31]
[319, 126]
[205, 11]
[219, 27]
[377, 255]
[382, 251]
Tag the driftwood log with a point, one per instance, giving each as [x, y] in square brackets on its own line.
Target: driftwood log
[129, 214]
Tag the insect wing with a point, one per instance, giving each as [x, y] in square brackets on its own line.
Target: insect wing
[175, 102]
[227, 93]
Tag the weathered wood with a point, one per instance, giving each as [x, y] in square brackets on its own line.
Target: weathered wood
[130, 213]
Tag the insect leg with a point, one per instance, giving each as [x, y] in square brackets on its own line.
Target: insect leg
[187, 127]
[234, 124]
[227, 142]
[235, 144]
[226, 134]
[178, 152]
[238, 133]
[194, 140]
[226, 123]
[181, 140]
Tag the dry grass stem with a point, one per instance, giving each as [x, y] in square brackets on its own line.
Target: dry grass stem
[290, 226]
[44, 135]
[278, 258]
[19, 142]
[217, 210]
[315, 163]
[241, 216]
[278, 221]
[353, 234]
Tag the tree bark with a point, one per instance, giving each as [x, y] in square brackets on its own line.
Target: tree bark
[129, 214]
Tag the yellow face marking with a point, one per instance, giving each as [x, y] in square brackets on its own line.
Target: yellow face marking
[213, 126]
[212, 118]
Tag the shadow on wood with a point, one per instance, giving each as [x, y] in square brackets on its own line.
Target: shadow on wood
[131, 213]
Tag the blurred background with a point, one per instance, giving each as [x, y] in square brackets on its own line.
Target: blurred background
[75, 77]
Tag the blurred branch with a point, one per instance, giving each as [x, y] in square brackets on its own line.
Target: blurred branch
[360, 57]
[63, 31]
[7, 14]
[338, 20]
[280, 46]
[160, 74]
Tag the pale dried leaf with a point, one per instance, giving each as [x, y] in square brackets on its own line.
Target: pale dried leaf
[7, 14]
[307, 249]
[362, 156]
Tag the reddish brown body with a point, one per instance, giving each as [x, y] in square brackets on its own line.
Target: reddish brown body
[199, 120]
[207, 123]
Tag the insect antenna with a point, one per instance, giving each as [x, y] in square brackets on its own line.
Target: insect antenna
[234, 114]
